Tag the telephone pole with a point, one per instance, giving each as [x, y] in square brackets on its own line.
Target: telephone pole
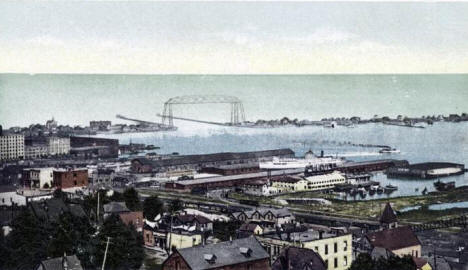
[105, 254]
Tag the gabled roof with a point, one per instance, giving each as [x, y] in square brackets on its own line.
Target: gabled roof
[115, 207]
[71, 262]
[420, 262]
[388, 216]
[223, 254]
[294, 258]
[393, 239]
[190, 218]
[248, 227]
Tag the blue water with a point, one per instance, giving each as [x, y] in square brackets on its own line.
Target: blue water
[440, 142]
[444, 206]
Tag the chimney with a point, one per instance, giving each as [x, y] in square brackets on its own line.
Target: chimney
[1, 130]
[321, 153]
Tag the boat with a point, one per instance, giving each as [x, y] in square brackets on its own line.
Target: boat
[441, 186]
[380, 190]
[372, 192]
[389, 151]
[390, 188]
[315, 163]
[353, 192]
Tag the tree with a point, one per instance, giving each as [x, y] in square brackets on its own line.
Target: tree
[175, 205]
[225, 230]
[131, 199]
[152, 206]
[365, 262]
[27, 242]
[125, 248]
[71, 234]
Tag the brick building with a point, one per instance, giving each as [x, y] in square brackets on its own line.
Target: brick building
[71, 178]
[241, 254]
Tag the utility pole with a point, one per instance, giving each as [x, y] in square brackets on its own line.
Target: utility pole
[97, 217]
[105, 254]
[170, 236]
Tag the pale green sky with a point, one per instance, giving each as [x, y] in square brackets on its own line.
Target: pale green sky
[233, 37]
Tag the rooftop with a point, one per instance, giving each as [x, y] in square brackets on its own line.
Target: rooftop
[393, 239]
[294, 258]
[223, 254]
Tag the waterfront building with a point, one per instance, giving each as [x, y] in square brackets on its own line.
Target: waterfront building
[295, 258]
[334, 249]
[242, 254]
[11, 147]
[260, 188]
[70, 178]
[324, 181]
[289, 184]
[197, 162]
[38, 177]
[58, 145]
[87, 147]
[276, 217]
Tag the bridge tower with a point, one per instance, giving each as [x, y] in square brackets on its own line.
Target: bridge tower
[237, 108]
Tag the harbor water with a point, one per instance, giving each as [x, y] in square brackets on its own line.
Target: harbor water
[440, 142]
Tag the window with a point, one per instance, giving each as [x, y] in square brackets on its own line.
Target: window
[335, 247]
[335, 263]
[345, 245]
[345, 261]
[326, 249]
[326, 264]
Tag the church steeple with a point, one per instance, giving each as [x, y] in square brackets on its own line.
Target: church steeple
[388, 218]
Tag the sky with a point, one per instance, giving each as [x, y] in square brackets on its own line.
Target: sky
[233, 37]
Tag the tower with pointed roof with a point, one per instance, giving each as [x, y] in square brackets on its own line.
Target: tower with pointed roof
[388, 219]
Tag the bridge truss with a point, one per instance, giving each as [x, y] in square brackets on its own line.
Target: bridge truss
[237, 108]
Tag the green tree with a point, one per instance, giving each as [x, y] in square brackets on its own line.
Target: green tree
[27, 242]
[365, 262]
[226, 230]
[175, 205]
[71, 234]
[125, 248]
[131, 199]
[152, 206]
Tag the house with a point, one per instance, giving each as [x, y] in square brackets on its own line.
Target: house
[199, 223]
[295, 258]
[115, 208]
[128, 217]
[61, 263]
[421, 264]
[248, 229]
[334, 249]
[245, 253]
[134, 218]
[400, 241]
[277, 216]
[53, 208]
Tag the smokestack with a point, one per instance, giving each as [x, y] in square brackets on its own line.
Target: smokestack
[320, 234]
[321, 153]
[1, 130]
